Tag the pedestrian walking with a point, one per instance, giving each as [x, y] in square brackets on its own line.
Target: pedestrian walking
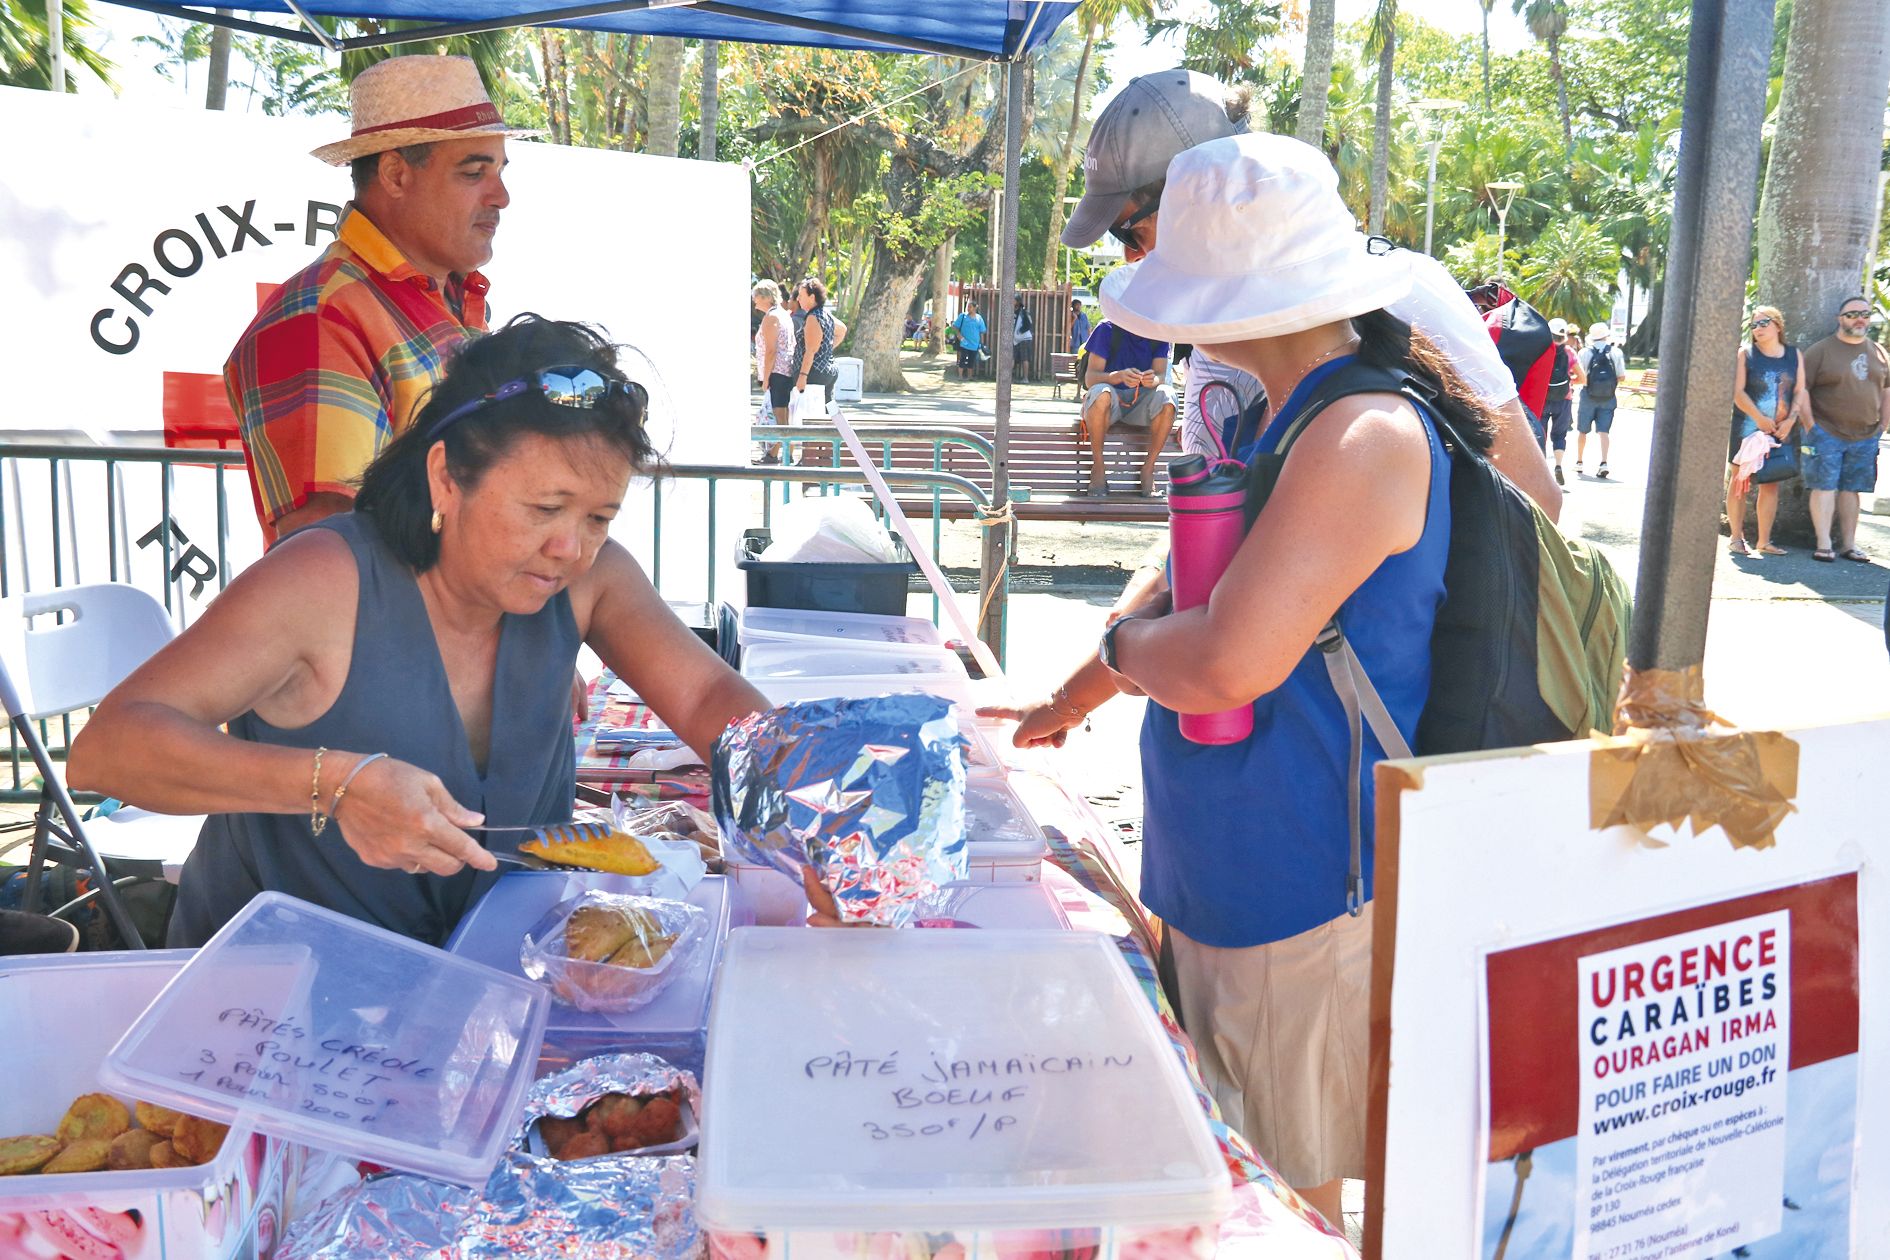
[1844, 404]
[970, 329]
[1564, 373]
[1604, 369]
[1023, 338]
[1764, 401]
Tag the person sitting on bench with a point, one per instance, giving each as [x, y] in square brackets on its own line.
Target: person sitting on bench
[1123, 376]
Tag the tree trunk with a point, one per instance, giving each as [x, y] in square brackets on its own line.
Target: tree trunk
[665, 95]
[556, 87]
[1485, 4]
[1643, 341]
[882, 323]
[941, 296]
[1820, 197]
[1066, 158]
[1561, 94]
[1381, 134]
[218, 92]
[711, 99]
[819, 208]
[1315, 81]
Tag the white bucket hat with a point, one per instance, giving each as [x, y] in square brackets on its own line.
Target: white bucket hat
[1254, 242]
[413, 100]
[1600, 332]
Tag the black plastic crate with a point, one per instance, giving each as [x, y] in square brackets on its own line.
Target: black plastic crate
[867, 587]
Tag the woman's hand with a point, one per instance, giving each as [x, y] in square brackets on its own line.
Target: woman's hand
[1037, 724]
[398, 817]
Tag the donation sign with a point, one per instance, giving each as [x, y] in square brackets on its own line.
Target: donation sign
[1676, 1086]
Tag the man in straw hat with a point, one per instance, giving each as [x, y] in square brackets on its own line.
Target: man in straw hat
[338, 359]
[1156, 116]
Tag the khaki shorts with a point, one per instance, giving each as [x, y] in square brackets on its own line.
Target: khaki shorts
[1283, 1033]
[1148, 404]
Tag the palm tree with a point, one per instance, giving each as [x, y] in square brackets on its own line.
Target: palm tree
[24, 60]
[1383, 41]
[1569, 270]
[1097, 18]
[1821, 190]
[664, 95]
[1548, 22]
[218, 71]
[178, 45]
[1315, 80]
[1486, 6]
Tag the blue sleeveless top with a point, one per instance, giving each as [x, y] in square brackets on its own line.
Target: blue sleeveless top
[397, 700]
[1768, 384]
[1248, 843]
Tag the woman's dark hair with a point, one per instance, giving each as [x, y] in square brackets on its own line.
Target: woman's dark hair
[1386, 341]
[394, 492]
[817, 289]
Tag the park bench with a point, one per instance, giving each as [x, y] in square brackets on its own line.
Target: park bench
[1063, 372]
[1645, 387]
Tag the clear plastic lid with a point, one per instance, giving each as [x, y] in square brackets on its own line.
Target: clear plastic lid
[781, 658]
[868, 630]
[938, 1080]
[1005, 907]
[995, 817]
[788, 690]
[325, 1030]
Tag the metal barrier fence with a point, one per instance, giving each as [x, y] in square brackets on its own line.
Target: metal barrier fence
[189, 544]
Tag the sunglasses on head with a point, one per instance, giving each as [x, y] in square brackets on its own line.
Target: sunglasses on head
[565, 385]
[1125, 230]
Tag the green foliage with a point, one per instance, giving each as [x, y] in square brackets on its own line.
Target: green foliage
[24, 60]
[1568, 270]
[1232, 47]
[1473, 261]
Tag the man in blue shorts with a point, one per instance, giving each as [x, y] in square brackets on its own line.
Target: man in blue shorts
[1604, 369]
[1845, 403]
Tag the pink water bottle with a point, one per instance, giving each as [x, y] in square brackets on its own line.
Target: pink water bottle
[1205, 526]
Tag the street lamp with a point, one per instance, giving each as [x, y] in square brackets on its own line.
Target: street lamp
[1508, 188]
[1432, 106]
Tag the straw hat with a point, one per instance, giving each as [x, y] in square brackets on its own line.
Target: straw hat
[413, 100]
[1255, 242]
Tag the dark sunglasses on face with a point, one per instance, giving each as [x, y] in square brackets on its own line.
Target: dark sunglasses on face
[1764, 321]
[1853, 314]
[565, 385]
[1125, 230]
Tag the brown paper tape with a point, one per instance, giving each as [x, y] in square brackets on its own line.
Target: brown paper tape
[1672, 760]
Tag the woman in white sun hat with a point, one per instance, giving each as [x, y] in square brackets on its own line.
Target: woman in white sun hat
[1247, 846]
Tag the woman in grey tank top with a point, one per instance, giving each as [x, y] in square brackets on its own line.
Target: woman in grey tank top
[399, 674]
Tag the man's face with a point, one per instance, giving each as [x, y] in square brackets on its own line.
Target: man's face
[1136, 230]
[448, 210]
[1853, 319]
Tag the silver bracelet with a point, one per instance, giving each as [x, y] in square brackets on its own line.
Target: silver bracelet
[334, 806]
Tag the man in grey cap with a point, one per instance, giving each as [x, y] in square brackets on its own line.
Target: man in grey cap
[1158, 115]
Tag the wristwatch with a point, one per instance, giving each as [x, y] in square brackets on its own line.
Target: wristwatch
[1106, 648]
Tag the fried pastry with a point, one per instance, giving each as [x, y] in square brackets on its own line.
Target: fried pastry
[164, 1155]
[660, 1121]
[160, 1120]
[198, 1140]
[584, 1146]
[591, 845]
[642, 952]
[93, 1116]
[85, 1155]
[27, 1153]
[132, 1149]
[594, 933]
[612, 1115]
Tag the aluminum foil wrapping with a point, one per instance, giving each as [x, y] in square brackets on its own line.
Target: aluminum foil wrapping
[396, 1217]
[868, 792]
[614, 1207]
[571, 1091]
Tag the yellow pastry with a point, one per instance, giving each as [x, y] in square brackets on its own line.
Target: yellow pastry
[594, 933]
[592, 846]
[642, 952]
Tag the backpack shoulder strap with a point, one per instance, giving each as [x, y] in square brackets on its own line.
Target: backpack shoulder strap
[1115, 347]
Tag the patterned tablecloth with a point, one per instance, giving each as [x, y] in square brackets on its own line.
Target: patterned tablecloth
[1268, 1221]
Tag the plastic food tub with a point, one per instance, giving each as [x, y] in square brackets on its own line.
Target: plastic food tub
[62, 1014]
[862, 630]
[1006, 844]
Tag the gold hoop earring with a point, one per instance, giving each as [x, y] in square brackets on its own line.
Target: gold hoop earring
[439, 522]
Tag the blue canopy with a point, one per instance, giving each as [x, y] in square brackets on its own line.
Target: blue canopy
[1003, 29]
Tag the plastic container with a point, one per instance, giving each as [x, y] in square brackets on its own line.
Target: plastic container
[62, 1013]
[1006, 844]
[322, 1029]
[604, 986]
[770, 898]
[762, 659]
[867, 587]
[674, 1026]
[1037, 1093]
[998, 907]
[865, 630]
[957, 688]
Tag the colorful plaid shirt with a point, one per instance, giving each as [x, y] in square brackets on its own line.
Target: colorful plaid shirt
[337, 362]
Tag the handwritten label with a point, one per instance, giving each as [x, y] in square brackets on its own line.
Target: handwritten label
[933, 1097]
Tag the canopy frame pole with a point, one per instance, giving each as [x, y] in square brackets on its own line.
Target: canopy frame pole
[1715, 196]
[322, 37]
[221, 19]
[996, 541]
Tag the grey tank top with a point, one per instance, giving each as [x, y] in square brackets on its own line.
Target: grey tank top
[397, 700]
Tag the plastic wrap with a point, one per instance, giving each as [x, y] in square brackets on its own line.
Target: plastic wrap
[869, 793]
[1672, 760]
[611, 952]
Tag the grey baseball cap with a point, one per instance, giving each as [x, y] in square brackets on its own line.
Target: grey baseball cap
[1153, 118]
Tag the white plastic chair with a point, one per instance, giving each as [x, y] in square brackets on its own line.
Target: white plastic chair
[86, 640]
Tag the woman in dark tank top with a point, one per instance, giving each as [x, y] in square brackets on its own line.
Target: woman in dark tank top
[393, 676]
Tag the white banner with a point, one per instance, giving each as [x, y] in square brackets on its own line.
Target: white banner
[1681, 1146]
[135, 242]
